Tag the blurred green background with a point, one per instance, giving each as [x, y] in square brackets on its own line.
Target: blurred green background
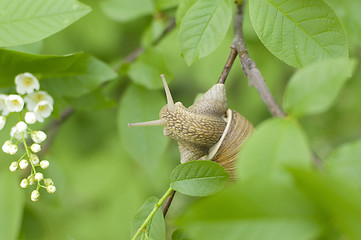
[99, 185]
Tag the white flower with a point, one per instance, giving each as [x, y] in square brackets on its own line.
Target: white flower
[13, 166]
[39, 176]
[21, 126]
[43, 110]
[24, 183]
[14, 132]
[23, 164]
[35, 147]
[2, 122]
[6, 146]
[33, 99]
[14, 103]
[13, 149]
[34, 159]
[35, 195]
[30, 117]
[51, 189]
[48, 182]
[3, 106]
[38, 136]
[44, 164]
[26, 83]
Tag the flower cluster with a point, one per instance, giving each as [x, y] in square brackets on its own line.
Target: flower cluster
[33, 106]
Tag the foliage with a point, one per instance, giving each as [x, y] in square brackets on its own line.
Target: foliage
[102, 60]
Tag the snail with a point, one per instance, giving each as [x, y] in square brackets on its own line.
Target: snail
[207, 130]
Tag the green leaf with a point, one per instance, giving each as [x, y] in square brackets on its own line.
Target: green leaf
[95, 100]
[314, 88]
[349, 13]
[146, 70]
[156, 229]
[345, 163]
[123, 11]
[11, 205]
[251, 211]
[71, 75]
[203, 28]
[338, 201]
[276, 143]
[298, 32]
[23, 22]
[179, 235]
[145, 144]
[32, 48]
[198, 178]
[183, 8]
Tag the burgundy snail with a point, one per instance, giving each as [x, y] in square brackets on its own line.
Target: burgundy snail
[207, 130]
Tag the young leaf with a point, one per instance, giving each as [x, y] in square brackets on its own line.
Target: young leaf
[203, 28]
[71, 75]
[156, 229]
[146, 70]
[335, 198]
[345, 163]
[25, 22]
[123, 11]
[251, 211]
[11, 205]
[145, 144]
[314, 88]
[277, 143]
[198, 178]
[298, 32]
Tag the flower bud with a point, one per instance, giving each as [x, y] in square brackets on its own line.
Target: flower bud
[13, 149]
[34, 159]
[35, 147]
[35, 195]
[24, 183]
[51, 189]
[44, 164]
[6, 146]
[30, 118]
[39, 176]
[21, 126]
[48, 182]
[38, 136]
[23, 164]
[13, 166]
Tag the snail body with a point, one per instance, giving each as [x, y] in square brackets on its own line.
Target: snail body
[207, 130]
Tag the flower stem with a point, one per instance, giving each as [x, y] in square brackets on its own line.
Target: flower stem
[151, 214]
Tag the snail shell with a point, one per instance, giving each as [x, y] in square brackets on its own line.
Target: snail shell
[207, 130]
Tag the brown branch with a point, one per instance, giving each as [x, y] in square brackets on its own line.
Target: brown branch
[255, 78]
[168, 203]
[249, 67]
[227, 67]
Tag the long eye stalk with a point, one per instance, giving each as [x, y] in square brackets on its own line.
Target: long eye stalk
[159, 122]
